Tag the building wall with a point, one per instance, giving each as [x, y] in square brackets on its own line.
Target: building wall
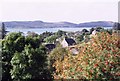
[64, 43]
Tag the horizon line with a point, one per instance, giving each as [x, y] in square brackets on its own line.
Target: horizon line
[56, 21]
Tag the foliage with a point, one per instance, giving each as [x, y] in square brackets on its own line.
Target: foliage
[84, 31]
[91, 30]
[60, 33]
[98, 59]
[29, 64]
[33, 41]
[79, 38]
[23, 58]
[99, 29]
[2, 31]
[56, 54]
[9, 46]
[51, 39]
[46, 34]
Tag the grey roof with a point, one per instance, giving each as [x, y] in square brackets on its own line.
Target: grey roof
[50, 46]
[70, 41]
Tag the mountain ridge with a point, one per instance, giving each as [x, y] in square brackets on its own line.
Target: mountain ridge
[42, 24]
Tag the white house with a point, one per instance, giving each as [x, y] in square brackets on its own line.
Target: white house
[67, 42]
[94, 32]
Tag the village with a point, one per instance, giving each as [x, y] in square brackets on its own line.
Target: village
[69, 40]
[60, 55]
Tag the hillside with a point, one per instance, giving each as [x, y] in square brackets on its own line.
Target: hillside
[99, 23]
[41, 24]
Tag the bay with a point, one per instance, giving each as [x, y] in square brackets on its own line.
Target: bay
[41, 30]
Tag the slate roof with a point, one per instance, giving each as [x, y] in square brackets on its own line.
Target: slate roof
[50, 46]
[70, 41]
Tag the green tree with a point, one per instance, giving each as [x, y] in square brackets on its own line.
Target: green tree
[9, 46]
[30, 64]
[79, 38]
[23, 58]
[91, 30]
[100, 29]
[51, 39]
[56, 54]
[60, 33]
[2, 31]
[85, 31]
[33, 41]
[46, 34]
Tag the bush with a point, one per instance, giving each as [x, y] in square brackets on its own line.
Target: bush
[98, 59]
[57, 54]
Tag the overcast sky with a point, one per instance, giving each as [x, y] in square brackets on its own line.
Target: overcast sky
[76, 11]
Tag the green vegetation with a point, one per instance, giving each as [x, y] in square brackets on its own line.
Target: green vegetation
[2, 31]
[23, 58]
[26, 57]
[51, 39]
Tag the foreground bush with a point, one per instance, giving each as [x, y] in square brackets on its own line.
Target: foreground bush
[98, 59]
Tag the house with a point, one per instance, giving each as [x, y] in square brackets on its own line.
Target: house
[94, 32]
[50, 47]
[67, 42]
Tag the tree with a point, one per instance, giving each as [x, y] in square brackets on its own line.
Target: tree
[46, 34]
[56, 54]
[33, 41]
[91, 30]
[2, 31]
[84, 31]
[51, 39]
[30, 64]
[79, 38]
[99, 29]
[23, 58]
[60, 33]
[10, 44]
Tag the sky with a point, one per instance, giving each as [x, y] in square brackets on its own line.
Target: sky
[76, 11]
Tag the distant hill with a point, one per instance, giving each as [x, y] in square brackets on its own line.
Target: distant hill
[41, 24]
[98, 23]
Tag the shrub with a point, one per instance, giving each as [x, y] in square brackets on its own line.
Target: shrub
[56, 54]
[98, 59]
